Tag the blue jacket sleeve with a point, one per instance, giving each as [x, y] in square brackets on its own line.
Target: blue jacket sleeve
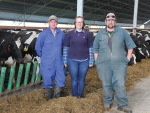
[39, 45]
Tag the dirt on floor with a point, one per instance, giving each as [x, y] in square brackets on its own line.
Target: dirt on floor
[92, 101]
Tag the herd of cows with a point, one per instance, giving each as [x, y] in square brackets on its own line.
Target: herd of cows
[19, 46]
[142, 41]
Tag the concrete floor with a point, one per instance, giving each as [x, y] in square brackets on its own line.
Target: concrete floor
[139, 98]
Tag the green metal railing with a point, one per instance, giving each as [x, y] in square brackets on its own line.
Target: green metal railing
[19, 76]
[2, 78]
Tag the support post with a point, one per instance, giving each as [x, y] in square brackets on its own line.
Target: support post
[66, 68]
[12, 73]
[34, 72]
[39, 75]
[27, 73]
[80, 7]
[19, 75]
[2, 78]
[135, 16]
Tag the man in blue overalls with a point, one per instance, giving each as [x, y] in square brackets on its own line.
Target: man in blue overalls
[112, 60]
[49, 46]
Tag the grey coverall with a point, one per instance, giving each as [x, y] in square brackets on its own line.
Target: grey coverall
[112, 65]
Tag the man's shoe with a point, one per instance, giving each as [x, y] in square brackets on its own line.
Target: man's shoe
[107, 107]
[57, 92]
[49, 93]
[126, 110]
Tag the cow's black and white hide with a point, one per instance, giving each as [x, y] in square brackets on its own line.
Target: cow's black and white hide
[28, 40]
[9, 47]
[10, 52]
[143, 49]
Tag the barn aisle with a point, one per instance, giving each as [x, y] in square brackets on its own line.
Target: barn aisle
[139, 98]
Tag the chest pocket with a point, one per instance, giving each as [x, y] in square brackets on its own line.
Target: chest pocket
[103, 44]
[119, 42]
[48, 45]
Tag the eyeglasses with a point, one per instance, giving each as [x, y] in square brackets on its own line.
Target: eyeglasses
[110, 16]
[79, 22]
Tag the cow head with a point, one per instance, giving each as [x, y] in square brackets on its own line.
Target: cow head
[9, 47]
[136, 40]
[144, 51]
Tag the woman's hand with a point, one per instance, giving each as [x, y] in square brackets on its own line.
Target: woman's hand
[90, 65]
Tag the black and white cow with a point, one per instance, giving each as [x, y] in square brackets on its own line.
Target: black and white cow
[143, 49]
[10, 52]
[28, 40]
[9, 48]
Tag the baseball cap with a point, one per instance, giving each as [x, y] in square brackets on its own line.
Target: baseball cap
[111, 16]
[53, 17]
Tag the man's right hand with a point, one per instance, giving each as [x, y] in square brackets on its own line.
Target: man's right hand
[95, 56]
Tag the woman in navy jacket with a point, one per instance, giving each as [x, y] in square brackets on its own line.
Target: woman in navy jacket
[78, 55]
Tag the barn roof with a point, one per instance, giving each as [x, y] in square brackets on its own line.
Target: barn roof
[94, 11]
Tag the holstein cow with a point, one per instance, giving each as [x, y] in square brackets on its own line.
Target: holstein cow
[9, 48]
[10, 52]
[28, 40]
[142, 49]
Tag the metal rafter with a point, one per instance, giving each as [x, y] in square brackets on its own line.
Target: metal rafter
[95, 12]
[34, 11]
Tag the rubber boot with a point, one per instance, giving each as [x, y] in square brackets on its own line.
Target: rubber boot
[57, 92]
[49, 93]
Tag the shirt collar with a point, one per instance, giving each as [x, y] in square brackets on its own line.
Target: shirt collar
[81, 31]
[57, 30]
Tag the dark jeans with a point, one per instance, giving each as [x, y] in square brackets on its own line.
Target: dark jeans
[78, 72]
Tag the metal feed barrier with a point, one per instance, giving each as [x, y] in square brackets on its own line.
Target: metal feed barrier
[12, 73]
[19, 77]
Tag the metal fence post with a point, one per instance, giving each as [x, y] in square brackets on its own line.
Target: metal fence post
[2, 78]
[19, 75]
[34, 72]
[27, 73]
[39, 75]
[12, 73]
[66, 68]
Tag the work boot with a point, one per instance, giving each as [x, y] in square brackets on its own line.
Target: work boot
[126, 110]
[107, 107]
[57, 92]
[49, 93]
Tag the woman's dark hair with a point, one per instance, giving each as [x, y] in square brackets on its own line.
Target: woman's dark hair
[76, 19]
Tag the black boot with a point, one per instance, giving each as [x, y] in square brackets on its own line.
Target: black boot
[49, 93]
[57, 92]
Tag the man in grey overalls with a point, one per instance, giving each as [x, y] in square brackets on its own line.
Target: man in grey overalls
[112, 60]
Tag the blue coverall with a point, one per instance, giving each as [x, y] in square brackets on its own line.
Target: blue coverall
[49, 48]
[112, 65]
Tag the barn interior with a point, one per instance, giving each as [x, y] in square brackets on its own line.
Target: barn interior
[31, 97]
[94, 11]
